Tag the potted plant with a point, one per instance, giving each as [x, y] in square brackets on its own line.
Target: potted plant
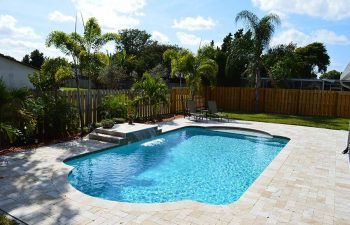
[107, 123]
[131, 113]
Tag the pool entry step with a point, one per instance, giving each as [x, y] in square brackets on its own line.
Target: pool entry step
[124, 133]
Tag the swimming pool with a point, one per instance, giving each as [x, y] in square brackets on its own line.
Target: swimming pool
[204, 165]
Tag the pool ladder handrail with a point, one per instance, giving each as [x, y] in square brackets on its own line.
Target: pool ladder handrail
[346, 151]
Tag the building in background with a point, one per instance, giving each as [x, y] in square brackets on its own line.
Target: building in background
[15, 73]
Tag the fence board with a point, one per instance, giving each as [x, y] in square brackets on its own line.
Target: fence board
[281, 101]
[144, 110]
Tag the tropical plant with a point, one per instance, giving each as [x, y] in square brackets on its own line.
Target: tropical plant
[7, 132]
[152, 91]
[114, 106]
[51, 75]
[83, 50]
[107, 123]
[195, 69]
[92, 61]
[262, 30]
[114, 74]
[119, 120]
[15, 117]
[70, 46]
[55, 116]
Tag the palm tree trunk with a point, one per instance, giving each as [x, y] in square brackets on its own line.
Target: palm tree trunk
[257, 92]
[79, 102]
[88, 106]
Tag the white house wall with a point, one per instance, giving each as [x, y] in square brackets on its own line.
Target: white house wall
[14, 74]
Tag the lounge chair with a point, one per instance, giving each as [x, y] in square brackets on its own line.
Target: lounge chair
[213, 111]
[192, 111]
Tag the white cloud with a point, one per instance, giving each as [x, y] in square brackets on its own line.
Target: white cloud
[300, 38]
[112, 14]
[194, 23]
[329, 37]
[190, 39]
[326, 9]
[158, 36]
[16, 41]
[9, 28]
[57, 16]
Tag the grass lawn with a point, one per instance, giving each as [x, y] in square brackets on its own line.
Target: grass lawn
[310, 121]
[71, 89]
[5, 221]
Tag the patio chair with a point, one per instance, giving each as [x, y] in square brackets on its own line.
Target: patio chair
[192, 111]
[213, 111]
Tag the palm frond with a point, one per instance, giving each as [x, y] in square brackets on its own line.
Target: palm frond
[250, 19]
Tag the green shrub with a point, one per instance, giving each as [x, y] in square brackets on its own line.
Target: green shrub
[86, 130]
[107, 123]
[17, 121]
[114, 106]
[6, 221]
[54, 115]
[119, 120]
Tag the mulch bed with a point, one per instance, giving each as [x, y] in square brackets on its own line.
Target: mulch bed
[65, 139]
[41, 144]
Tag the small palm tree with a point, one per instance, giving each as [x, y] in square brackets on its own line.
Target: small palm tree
[152, 91]
[193, 68]
[262, 30]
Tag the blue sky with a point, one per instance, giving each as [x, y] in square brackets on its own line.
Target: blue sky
[24, 24]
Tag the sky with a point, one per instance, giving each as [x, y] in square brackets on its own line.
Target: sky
[24, 25]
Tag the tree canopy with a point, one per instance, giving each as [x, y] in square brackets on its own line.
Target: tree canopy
[333, 75]
[35, 59]
[312, 59]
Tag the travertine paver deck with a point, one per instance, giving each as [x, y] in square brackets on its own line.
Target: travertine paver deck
[126, 128]
[307, 183]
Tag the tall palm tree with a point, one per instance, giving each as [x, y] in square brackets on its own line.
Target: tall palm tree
[69, 45]
[263, 30]
[92, 60]
[83, 50]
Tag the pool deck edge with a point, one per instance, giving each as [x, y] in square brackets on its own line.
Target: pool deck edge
[307, 182]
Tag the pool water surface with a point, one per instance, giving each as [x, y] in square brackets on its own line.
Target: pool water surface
[203, 165]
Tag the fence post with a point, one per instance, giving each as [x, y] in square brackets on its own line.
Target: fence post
[173, 101]
[299, 106]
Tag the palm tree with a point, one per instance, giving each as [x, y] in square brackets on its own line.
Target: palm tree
[193, 68]
[152, 91]
[92, 60]
[83, 50]
[69, 45]
[262, 30]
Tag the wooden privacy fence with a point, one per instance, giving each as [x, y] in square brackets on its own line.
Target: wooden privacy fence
[142, 111]
[282, 101]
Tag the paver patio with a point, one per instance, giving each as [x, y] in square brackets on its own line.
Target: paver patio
[307, 183]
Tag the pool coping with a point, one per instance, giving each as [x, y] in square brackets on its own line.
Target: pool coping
[307, 182]
[147, 207]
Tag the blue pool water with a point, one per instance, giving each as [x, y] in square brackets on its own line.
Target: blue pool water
[188, 164]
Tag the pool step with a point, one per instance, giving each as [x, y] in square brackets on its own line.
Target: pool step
[125, 133]
[110, 132]
[107, 138]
